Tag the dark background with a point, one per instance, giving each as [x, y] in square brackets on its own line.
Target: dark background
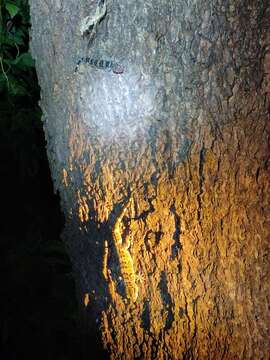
[38, 310]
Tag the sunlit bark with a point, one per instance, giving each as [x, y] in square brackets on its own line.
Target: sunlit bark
[163, 170]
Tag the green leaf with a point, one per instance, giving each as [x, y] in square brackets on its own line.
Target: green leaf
[27, 60]
[12, 9]
[19, 37]
[23, 61]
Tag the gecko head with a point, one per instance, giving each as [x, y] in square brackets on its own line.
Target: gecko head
[117, 68]
[132, 293]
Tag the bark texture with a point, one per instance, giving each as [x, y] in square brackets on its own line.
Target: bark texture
[163, 170]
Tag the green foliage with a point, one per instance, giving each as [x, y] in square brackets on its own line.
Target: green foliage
[17, 74]
[12, 9]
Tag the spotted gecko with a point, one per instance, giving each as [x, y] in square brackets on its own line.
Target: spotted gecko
[125, 259]
[106, 65]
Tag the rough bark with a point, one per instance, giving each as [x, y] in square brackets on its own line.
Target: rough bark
[171, 156]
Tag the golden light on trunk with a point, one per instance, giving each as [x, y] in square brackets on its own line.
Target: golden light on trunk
[163, 170]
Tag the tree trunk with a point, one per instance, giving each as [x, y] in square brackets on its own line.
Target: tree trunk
[158, 142]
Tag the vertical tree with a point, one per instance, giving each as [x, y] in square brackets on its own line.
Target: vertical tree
[156, 115]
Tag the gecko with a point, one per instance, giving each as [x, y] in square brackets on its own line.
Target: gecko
[125, 259]
[106, 65]
[88, 27]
